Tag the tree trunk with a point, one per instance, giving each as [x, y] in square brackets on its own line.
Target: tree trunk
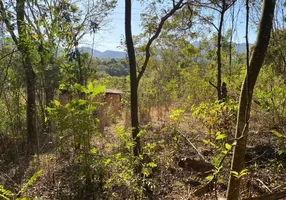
[219, 95]
[256, 62]
[49, 96]
[133, 79]
[32, 140]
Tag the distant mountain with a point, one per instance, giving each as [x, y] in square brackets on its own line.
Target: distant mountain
[105, 54]
[240, 48]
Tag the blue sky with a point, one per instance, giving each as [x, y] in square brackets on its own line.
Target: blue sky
[109, 38]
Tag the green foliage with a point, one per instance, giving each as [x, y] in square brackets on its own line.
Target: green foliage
[177, 114]
[218, 118]
[122, 166]
[113, 67]
[7, 194]
[239, 174]
[30, 182]
[76, 118]
[270, 96]
[278, 134]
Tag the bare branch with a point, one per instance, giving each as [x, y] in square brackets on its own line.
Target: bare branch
[213, 85]
[210, 22]
[178, 6]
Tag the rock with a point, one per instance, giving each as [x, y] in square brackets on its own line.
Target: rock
[195, 165]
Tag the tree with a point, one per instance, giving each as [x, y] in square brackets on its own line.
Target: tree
[221, 7]
[134, 78]
[256, 61]
[41, 28]
[25, 49]
[276, 54]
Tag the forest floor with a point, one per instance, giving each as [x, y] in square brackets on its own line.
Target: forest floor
[180, 170]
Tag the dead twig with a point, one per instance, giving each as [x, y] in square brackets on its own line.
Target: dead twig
[263, 184]
[279, 187]
[194, 147]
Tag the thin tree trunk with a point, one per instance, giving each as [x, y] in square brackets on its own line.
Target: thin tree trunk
[133, 79]
[258, 55]
[32, 140]
[219, 65]
[49, 96]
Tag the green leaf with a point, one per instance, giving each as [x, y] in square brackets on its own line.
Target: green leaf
[243, 172]
[234, 173]
[90, 86]
[205, 141]
[146, 172]
[82, 102]
[152, 164]
[221, 136]
[208, 142]
[240, 174]
[227, 146]
[97, 90]
[107, 161]
[80, 88]
[278, 134]
[209, 177]
[93, 151]
[5, 192]
[57, 103]
[224, 151]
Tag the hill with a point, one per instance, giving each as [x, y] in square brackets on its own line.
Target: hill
[105, 54]
[240, 48]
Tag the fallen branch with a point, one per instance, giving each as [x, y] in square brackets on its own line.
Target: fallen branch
[272, 196]
[263, 184]
[279, 187]
[194, 147]
[208, 187]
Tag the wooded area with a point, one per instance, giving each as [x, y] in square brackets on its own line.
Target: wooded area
[190, 113]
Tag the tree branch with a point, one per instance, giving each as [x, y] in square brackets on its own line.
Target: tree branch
[213, 85]
[177, 6]
[7, 23]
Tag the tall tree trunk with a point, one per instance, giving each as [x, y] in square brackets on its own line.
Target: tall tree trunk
[32, 139]
[258, 55]
[133, 79]
[219, 65]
